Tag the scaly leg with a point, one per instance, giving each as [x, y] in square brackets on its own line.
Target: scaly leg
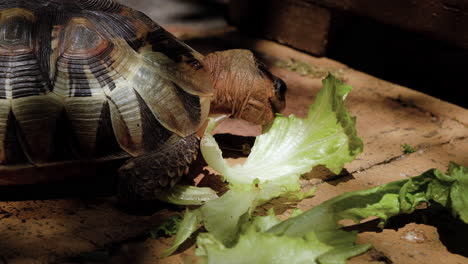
[142, 178]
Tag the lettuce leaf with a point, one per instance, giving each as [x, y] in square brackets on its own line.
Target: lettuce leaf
[315, 235]
[400, 197]
[167, 228]
[256, 245]
[188, 195]
[288, 148]
[292, 146]
[458, 191]
[187, 227]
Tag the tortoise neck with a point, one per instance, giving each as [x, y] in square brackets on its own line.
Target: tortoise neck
[230, 84]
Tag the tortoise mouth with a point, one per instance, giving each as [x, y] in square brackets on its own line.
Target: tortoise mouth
[278, 102]
[275, 106]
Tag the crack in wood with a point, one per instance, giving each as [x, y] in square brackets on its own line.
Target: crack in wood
[399, 157]
[345, 174]
[379, 256]
[408, 104]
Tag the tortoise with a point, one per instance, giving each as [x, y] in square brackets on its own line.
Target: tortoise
[93, 86]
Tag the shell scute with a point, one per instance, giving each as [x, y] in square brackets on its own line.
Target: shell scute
[85, 116]
[20, 73]
[15, 28]
[36, 118]
[4, 118]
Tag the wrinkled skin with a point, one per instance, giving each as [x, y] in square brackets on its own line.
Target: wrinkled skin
[243, 87]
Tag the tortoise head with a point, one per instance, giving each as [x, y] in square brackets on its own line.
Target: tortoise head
[243, 87]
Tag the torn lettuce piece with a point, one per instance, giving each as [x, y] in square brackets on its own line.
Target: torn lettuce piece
[292, 146]
[167, 228]
[257, 246]
[458, 191]
[385, 201]
[261, 248]
[190, 223]
[224, 216]
[315, 236]
[188, 195]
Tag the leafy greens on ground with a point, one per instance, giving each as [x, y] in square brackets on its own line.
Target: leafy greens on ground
[290, 147]
[315, 235]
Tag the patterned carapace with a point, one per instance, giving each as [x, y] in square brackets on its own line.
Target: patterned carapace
[90, 78]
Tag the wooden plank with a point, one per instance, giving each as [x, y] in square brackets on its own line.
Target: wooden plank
[289, 21]
[296, 23]
[445, 20]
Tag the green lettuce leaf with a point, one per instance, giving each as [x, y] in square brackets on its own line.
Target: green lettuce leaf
[385, 201]
[290, 147]
[167, 228]
[188, 195]
[255, 245]
[459, 191]
[187, 227]
[315, 235]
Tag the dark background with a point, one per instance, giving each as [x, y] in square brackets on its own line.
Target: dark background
[432, 66]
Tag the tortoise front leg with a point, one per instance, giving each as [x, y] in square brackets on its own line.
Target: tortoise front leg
[142, 178]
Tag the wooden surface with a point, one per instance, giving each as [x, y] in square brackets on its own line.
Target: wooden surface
[446, 20]
[296, 23]
[388, 115]
[309, 24]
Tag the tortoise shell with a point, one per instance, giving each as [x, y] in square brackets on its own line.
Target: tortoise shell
[86, 79]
